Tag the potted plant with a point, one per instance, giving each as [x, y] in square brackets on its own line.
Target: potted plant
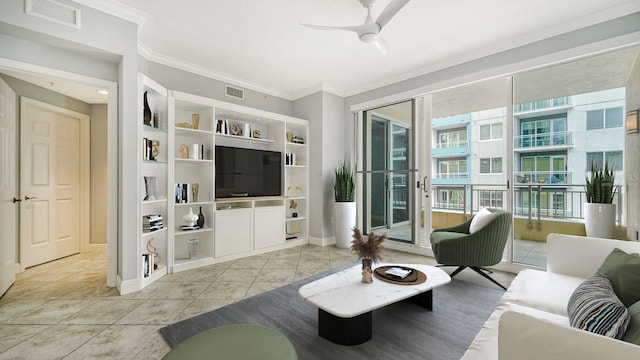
[599, 210]
[344, 188]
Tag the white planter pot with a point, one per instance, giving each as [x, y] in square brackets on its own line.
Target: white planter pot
[600, 220]
[345, 220]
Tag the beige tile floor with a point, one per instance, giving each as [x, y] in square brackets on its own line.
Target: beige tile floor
[63, 310]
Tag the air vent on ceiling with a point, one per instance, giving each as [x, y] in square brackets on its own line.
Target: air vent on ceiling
[234, 92]
[54, 11]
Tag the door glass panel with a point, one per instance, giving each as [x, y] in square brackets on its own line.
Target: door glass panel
[570, 107]
[388, 171]
[476, 173]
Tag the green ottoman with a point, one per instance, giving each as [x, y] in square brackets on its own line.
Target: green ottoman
[237, 342]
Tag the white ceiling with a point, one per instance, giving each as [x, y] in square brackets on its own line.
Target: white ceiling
[260, 43]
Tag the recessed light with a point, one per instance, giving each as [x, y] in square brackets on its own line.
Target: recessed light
[102, 92]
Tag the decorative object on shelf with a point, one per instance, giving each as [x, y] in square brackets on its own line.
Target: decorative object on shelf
[184, 151]
[256, 134]
[247, 130]
[294, 191]
[345, 206]
[195, 121]
[298, 140]
[369, 249]
[151, 188]
[153, 251]
[151, 223]
[599, 209]
[192, 248]
[195, 189]
[184, 125]
[200, 221]
[293, 205]
[222, 126]
[155, 148]
[156, 119]
[632, 122]
[146, 111]
[289, 136]
[235, 129]
[190, 218]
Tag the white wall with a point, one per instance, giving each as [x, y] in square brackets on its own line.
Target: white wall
[632, 154]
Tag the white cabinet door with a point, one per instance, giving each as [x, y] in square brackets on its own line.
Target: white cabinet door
[234, 231]
[268, 226]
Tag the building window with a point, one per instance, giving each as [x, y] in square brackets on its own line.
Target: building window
[490, 198]
[491, 132]
[450, 199]
[452, 169]
[491, 165]
[604, 118]
[453, 138]
[598, 159]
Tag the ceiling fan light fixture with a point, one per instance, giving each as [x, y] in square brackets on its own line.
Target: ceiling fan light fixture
[369, 37]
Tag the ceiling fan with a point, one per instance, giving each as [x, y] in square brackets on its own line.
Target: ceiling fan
[369, 32]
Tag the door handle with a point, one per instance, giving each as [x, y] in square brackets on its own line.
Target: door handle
[29, 198]
[16, 200]
[424, 186]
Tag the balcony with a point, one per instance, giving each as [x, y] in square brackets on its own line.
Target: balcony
[451, 149]
[542, 105]
[543, 142]
[543, 177]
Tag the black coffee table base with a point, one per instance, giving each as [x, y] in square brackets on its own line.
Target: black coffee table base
[359, 329]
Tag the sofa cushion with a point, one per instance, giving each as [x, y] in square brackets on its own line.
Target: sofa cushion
[623, 270]
[481, 219]
[542, 290]
[594, 307]
[633, 330]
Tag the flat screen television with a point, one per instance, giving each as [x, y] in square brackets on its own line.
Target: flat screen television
[247, 172]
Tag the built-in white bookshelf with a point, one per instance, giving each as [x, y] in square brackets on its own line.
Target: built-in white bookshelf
[184, 131]
[152, 180]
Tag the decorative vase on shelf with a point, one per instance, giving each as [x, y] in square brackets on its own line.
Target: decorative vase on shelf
[147, 110]
[151, 188]
[200, 221]
[190, 218]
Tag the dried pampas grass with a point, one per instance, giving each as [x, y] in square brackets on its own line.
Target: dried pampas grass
[369, 247]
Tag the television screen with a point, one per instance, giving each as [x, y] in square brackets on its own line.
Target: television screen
[247, 172]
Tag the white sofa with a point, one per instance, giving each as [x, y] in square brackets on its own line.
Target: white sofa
[531, 321]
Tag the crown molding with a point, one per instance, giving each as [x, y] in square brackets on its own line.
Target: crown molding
[318, 88]
[152, 56]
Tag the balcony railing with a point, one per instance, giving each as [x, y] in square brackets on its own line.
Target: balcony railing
[451, 144]
[542, 104]
[530, 201]
[543, 140]
[452, 175]
[543, 177]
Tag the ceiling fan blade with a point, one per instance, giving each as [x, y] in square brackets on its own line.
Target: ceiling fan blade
[390, 11]
[356, 28]
[381, 45]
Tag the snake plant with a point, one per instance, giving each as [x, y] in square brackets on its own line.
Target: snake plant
[345, 183]
[600, 186]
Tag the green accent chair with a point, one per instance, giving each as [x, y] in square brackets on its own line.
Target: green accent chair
[455, 246]
[237, 342]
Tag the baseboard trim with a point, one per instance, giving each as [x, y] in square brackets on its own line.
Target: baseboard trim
[322, 241]
[98, 248]
[127, 287]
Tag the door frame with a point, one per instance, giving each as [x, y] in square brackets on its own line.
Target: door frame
[112, 151]
[85, 167]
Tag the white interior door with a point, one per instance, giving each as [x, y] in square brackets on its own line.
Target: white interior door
[7, 186]
[50, 182]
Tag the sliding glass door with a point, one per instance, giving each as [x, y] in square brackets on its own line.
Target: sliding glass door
[387, 171]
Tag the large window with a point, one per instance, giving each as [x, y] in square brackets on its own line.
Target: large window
[604, 118]
[452, 169]
[452, 138]
[491, 165]
[542, 132]
[598, 158]
[491, 132]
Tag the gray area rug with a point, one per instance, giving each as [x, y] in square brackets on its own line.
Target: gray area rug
[400, 331]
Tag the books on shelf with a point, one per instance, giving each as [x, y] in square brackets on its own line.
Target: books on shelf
[185, 193]
[148, 150]
[152, 223]
[148, 264]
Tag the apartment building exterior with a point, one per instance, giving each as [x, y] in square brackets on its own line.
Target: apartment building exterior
[555, 142]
